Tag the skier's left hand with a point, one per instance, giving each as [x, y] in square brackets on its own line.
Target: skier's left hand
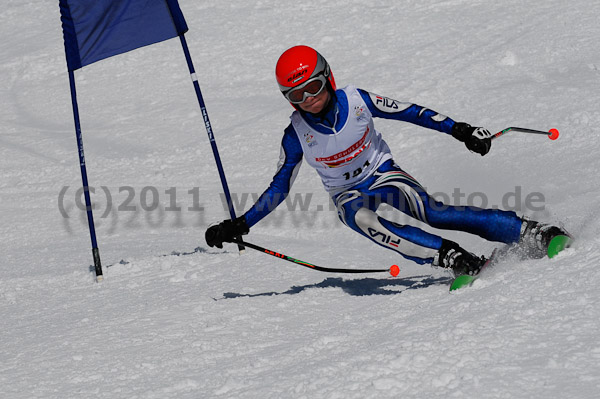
[477, 139]
[226, 231]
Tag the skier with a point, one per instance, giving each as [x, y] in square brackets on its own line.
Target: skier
[333, 129]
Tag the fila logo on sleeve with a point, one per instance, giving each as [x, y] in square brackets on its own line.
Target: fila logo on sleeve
[388, 105]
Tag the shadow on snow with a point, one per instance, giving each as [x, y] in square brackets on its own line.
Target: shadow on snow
[358, 287]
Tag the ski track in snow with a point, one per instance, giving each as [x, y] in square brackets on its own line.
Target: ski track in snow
[175, 319]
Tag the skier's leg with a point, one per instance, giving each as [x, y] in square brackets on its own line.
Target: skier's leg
[357, 212]
[395, 187]
[490, 224]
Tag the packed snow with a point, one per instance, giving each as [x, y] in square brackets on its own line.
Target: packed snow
[174, 318]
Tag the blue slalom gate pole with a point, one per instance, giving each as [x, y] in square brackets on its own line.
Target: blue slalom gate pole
[211, 136]
[86, 190]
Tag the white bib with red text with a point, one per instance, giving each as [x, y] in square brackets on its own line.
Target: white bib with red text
[348, 156]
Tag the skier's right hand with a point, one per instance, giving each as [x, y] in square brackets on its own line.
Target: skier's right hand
[226, 231]
[477, 139]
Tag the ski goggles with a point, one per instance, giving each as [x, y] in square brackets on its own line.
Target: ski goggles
[310, 88]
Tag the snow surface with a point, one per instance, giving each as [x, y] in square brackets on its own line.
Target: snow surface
[176, 319]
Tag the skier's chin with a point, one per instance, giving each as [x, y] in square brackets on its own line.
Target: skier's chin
[319, 103]
[315, 107]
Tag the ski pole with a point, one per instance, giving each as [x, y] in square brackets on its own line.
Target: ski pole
[393, 270]
[552, 133]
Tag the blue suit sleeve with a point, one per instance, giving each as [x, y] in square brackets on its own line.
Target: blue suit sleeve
[290, 160]
[383, 107]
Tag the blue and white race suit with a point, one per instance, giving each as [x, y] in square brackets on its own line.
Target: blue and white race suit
[356, 167]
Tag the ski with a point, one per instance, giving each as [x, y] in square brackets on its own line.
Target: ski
[465, 280]
[557, 244]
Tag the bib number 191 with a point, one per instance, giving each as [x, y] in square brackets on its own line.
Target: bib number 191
[356, 172]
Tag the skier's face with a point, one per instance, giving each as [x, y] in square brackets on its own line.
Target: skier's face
[315, 104]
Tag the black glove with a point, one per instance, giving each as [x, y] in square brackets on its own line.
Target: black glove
[226, 231]
[477, 139]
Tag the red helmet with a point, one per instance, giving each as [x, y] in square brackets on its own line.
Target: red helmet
[298, 65]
